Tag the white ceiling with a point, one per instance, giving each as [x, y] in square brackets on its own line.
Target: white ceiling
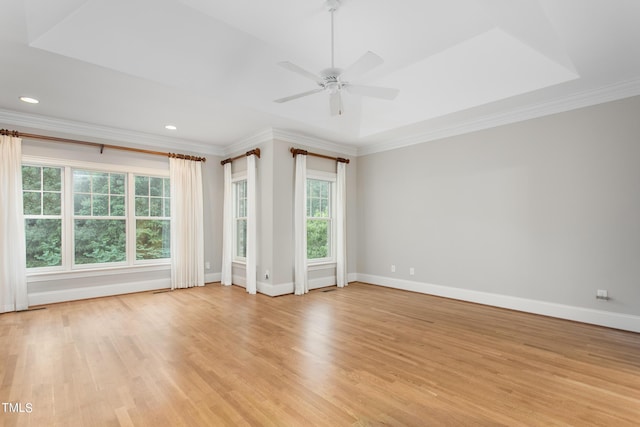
[209, 67]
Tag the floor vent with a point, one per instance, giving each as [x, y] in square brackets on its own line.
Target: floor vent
[328, 290]
[162, 292]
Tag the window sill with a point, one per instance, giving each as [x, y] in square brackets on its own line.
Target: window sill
[239, 263]
[322, 265]
[43, 276]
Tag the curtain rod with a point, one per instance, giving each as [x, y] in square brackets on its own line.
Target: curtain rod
[255, 151]
[296, 151]
[17, 134]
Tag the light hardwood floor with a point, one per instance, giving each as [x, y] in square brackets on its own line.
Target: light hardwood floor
[363, 355]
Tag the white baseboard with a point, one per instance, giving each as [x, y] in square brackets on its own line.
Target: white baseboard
[580, 314]
[275, 290]
[212, 277]
[62, 295]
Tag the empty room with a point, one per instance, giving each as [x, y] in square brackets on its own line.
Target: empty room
[319, 213]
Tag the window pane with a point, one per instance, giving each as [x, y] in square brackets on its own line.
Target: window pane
[324, 208]
[82, 204]
[241, 199]
[142, 185]
[315, 207]
[142, 206]
[324, 189]
[100, 183]
[117, 183]
[317, 239]
[81, 181]
[43, 241]
[156, 206]
[117, 206]
[153, 240]
[52, 203]
[241, 238]
[31, 203]
[99, 241]
[167, 187]
[52, 178]
[31, 178]
[100, 205]
[167, 207]
[155, 186]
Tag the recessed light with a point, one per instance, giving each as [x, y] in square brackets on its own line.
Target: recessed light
[170, 127]
[29, 100]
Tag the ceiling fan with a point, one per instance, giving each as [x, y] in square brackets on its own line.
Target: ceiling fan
[334, 80]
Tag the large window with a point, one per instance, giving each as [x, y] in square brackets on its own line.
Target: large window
[240, 219]
[319, 219]
[42, 201]
[85, 217]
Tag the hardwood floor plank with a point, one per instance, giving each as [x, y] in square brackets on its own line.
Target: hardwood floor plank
[359, 356]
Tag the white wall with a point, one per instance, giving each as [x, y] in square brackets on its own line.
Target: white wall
[535, 215]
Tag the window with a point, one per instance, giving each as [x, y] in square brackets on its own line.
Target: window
[153, 217]
[99, 217]
[319, 219]
[83, 217]
[42, 200]
[240, 219]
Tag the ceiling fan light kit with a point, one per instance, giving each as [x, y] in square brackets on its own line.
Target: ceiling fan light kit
[333, 80]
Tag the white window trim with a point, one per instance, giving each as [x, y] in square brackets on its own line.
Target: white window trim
[320, 263]
[235, 178]
[70, 269]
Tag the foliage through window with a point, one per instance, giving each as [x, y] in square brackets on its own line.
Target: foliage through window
[240, 218]
[42, 207]
[319, 219]
[101, 217]
[153, 217]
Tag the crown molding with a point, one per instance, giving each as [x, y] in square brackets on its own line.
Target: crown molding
[290, 137]
[88, 130]
[249, 142]
[314, 142]
[583, 99]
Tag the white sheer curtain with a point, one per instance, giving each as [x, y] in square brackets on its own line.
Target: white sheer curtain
[341, 226]
[227, 228]
[187, 224]
[301, 285]
[251, 224]
[13, 264]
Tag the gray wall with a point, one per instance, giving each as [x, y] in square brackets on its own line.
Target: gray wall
[547, 209]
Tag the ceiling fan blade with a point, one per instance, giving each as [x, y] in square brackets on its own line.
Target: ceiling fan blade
[366, 63]
[299, 95]
[335, 104]
[373, 91]
[301, 71]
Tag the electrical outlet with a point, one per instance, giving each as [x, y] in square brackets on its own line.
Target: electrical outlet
[393, 268]
[207, 265]
[266, 274]
[602, 294]
[412, 271]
